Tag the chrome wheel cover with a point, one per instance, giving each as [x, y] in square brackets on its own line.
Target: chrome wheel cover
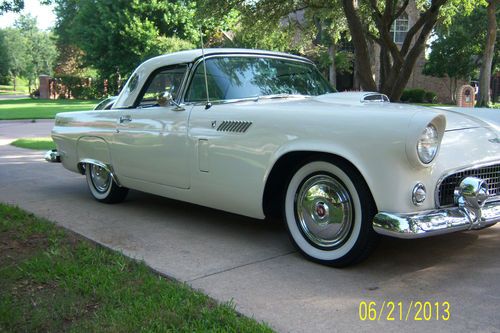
[324, 211]
[101, 178]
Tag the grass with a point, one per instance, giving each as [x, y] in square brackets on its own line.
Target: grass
[21, 88]
[35, 143]
[27, 108]
[53, 281]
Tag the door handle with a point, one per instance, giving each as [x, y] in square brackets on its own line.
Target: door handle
[125, 119]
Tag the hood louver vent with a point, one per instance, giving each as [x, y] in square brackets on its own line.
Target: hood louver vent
[234, 126]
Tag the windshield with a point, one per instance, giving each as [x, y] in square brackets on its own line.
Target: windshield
[251, 77]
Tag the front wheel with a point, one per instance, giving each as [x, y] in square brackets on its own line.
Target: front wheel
[328, 210]
[102, 186]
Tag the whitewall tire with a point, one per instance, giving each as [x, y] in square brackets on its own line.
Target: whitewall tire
[102, 185]
[328, 211]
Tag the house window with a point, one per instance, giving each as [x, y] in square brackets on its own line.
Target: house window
[400, 28]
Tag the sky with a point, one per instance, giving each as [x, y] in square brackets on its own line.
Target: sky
[45, 17]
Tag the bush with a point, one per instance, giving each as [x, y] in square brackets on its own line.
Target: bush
[418, 96]
[67, 86]
[35, 93]
[430, 97]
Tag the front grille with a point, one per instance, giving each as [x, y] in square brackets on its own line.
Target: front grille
[490, 174]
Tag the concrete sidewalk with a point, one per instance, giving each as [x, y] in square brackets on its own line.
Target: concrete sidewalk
[252, 263]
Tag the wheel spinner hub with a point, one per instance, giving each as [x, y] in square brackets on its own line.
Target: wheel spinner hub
[324, 211]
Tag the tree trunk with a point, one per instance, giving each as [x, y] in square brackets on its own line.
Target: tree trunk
[484, 98]
[453, 89]
[355, 78]
[15, 83]
[332, 71]
[385, 67]
[362, 55]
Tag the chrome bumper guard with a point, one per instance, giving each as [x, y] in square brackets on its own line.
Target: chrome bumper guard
[474, 210]
[53, 156]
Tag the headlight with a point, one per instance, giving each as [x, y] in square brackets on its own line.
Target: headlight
[428, 144]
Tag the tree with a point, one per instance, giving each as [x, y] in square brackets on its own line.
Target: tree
[484, 98]
[116, 36]
[26, 51]
[303, 27]
[39, 49]
[16, 5]
[16, 56]
[397, 63]
[4, 60]
[11, 6]
[369, 22]
[457, 48]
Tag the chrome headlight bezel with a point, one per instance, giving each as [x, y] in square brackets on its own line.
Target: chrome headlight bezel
[428, 144]
[418, 128]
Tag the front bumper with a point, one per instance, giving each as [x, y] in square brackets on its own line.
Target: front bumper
[435, 222]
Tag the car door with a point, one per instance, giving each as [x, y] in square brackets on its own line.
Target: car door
[150, 142]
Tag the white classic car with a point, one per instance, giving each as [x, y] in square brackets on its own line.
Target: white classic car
[262, 133]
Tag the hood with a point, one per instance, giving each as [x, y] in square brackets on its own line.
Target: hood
[373, 100]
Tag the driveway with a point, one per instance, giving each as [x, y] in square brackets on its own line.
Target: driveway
[235, 258]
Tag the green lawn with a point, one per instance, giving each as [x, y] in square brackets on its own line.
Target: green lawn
[53, 280]
[27, 108]
[35, 143]
[21, 88]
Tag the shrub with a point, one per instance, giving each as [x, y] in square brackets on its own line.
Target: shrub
[35, 93]
[430, 97]
[67, 86]
[418, 96]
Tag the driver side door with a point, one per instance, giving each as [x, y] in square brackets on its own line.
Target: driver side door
[150, 141]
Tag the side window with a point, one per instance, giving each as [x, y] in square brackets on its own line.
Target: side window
[166, 80]
[197, 91]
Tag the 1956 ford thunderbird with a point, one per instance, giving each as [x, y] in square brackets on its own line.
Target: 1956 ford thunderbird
[262, 133]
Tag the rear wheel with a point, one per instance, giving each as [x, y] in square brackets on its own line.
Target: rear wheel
[328, 210]
[102, 185]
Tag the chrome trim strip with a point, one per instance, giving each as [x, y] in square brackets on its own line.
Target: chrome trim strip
[451, 172]
[108, 167]
[434, 222]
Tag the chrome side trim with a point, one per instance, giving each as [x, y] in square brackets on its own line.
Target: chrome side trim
[108, 167]
[434, 222]
[53, 156]
[453, 171]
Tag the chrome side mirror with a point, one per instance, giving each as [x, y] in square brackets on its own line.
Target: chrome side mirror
[165, 99]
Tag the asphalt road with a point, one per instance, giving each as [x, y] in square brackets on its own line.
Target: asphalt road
[252, 263]
[14, 96]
